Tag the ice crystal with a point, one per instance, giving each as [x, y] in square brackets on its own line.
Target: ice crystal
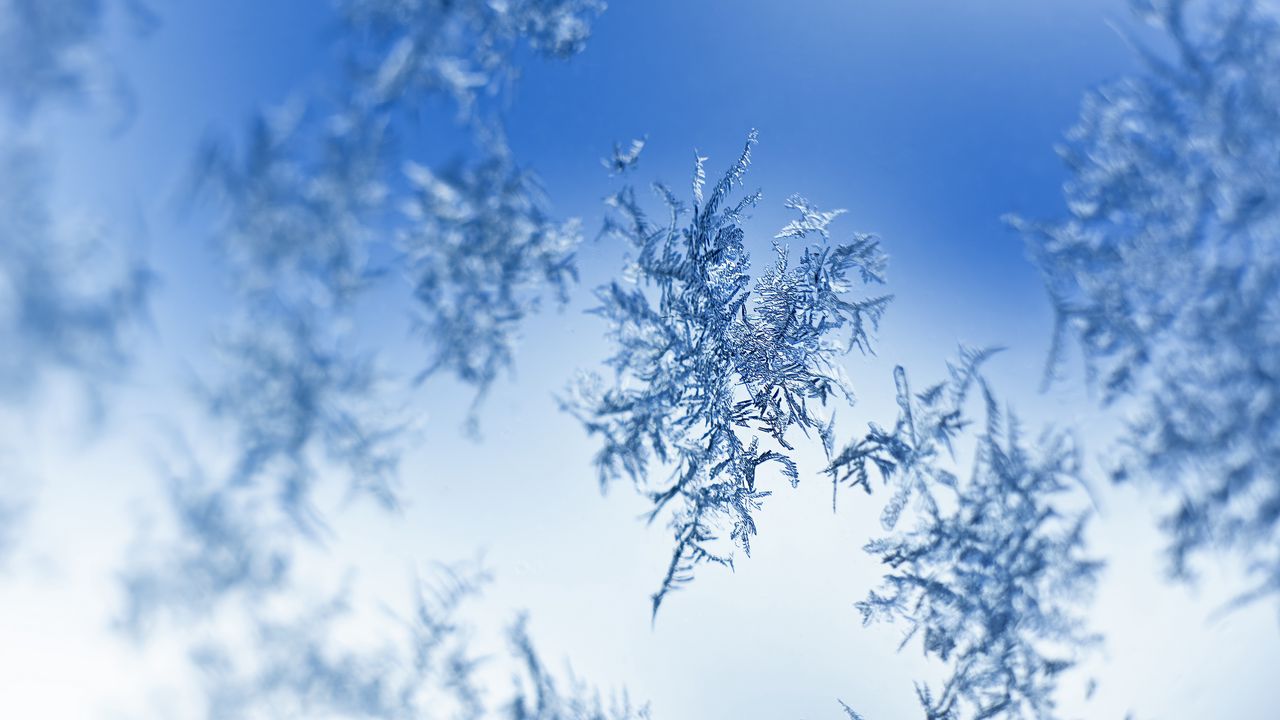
[704, 361]
[990, 571]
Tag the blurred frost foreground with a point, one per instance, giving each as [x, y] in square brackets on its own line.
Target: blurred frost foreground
[311, 194]
[1167, 272]
[990, 570]
[72, 294]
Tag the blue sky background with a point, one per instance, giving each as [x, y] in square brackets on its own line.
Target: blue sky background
[926, 120]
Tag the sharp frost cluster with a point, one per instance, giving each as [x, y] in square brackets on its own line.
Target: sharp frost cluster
[707, 362]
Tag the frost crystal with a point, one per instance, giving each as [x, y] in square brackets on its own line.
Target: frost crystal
[704, 361]
[990, 571]
[1167, 272]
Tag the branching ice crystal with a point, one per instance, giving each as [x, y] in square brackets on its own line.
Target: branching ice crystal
[990, 572]
[704, 361]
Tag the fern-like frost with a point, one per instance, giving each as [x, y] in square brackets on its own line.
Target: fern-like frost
[715, 369]
[989, 572]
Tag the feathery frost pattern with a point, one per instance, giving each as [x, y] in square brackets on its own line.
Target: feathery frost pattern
[384, 193]
[1167, 272]
[704, 361]
[990, 572]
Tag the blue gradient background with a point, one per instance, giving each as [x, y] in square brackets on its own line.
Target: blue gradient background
[926, 120]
